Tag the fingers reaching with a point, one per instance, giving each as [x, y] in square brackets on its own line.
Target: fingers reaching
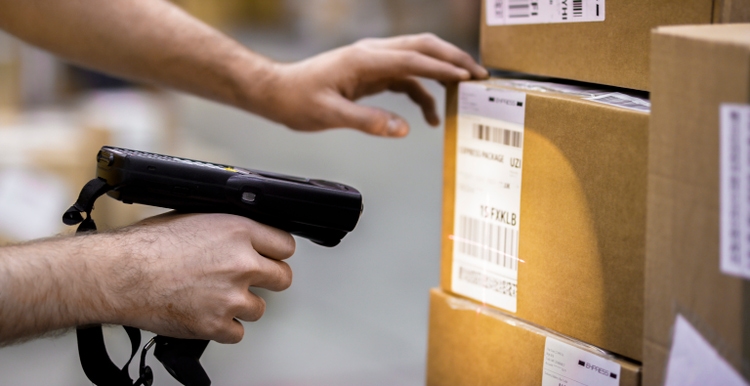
[333, 80]
[432, 46]
[420, 96]
[389, 64]
[371, 120]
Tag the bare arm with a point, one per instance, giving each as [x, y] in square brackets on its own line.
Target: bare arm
[185, 276]
[155, 41]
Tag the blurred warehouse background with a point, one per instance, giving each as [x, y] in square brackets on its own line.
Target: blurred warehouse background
[357, 313]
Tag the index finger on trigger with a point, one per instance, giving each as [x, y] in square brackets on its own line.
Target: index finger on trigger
[271, 242]
[272, 275]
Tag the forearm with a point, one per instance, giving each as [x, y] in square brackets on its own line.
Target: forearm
[179, 275]
[148, 40]
[54, 284]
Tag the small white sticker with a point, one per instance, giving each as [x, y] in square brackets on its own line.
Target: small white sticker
[617, 99]
[694, 362]
[571, 366]
[504, 12]
[489, 161]
[735, 189]
[625, 101]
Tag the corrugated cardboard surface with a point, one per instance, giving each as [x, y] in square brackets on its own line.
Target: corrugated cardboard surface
[473, 345]
[695, 69]
[613, 52]
[582, 219]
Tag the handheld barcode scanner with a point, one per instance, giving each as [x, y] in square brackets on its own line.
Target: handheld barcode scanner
[319, 210]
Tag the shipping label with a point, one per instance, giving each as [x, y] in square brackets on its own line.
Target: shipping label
[489, 161]
[508, 12]
[567, 365]
[734, 217]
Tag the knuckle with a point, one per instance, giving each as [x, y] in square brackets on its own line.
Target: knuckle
[258, 309]
[234, 304]
[462, 57]
[286, 278]
[215, 328]
[289, 246]
[247, 264]
[359, 49]
[410, 58]
[428, 38]
[364, 42]
[236, 337]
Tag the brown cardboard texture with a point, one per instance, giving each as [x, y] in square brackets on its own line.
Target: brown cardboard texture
[582, 217]
[474, 345]
[695, 70]
[613, 52]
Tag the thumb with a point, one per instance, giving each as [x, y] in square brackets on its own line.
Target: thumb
[368, 119]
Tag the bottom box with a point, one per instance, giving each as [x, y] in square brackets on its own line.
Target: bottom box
[470, 344]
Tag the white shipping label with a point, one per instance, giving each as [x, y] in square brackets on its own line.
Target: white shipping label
[566, 365]
[694, 362]
[734, 188]
[504, 12]
[489, 160]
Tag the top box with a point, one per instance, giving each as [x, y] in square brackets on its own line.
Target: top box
[596, 41]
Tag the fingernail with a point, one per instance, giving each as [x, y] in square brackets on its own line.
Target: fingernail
[464, 74]
[434, 120]
[395, 127]
[484, 72]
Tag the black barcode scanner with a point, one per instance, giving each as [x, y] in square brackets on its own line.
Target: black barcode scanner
[319, 210]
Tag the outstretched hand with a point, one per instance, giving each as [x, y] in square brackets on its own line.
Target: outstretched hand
[319, 93]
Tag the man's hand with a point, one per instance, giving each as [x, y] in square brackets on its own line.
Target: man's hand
[185, 276]
[318, 93]
[156, 42]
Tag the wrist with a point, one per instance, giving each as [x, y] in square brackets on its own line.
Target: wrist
[254, 79]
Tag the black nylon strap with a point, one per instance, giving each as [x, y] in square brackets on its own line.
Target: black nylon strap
[181, 357]
[95, 361]
[85, 204]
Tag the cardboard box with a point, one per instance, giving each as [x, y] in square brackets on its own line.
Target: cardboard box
[470, 344]
[613, 51]
[695, 70]
[579, 230]
[10, 95]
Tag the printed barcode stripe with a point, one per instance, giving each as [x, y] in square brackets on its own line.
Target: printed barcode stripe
[487, 241]
[519, 8]
[577, 8]
[498, 135]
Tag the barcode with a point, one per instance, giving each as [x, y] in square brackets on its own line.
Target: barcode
[623, 101]
[498, 135]
[487, 241]
[577, 8]
[519, 8]
[494, 283]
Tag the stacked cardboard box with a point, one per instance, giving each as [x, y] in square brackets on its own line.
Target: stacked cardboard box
[475, 345]
[10, 98]
[570, 257]
[544, 216]
[696, 224]
[545, 189]
[595, 41]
